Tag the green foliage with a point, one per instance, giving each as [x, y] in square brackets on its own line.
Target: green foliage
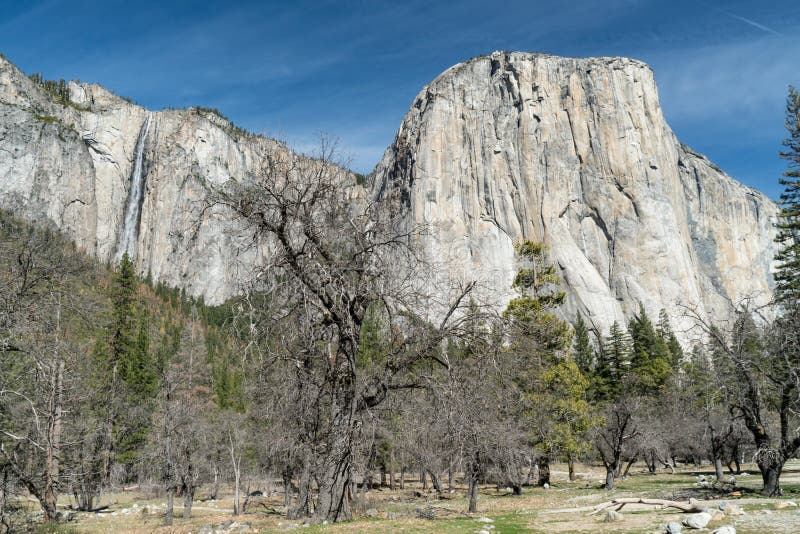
[531, 312]
[48, 119]
[537, 280]
[582, 349]
[138, 370]
[666, 333]
[641, 360]
[552, 383]
[129, 332]
[651, 361]
[371, 349]
[787, 275]
[227, 375]
[613, 362]
[562, 404]
[59, 89]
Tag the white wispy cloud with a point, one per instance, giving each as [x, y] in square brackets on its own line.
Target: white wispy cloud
[754, 24]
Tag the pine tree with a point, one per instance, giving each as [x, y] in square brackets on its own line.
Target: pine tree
[665, 332]
[371, 350]
[123, 327]
[603, 381]
[787, 276]
[617, 350]
[582, 346]
[140, 369]
[650, 356]
[554, 388]
[531, 312]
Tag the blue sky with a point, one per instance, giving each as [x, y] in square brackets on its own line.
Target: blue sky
[351, 68]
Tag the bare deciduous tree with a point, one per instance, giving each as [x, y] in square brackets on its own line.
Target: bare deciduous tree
[333, 255]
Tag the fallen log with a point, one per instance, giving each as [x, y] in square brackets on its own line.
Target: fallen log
[692, 506]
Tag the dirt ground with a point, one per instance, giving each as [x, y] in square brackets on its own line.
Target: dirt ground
[564, 507]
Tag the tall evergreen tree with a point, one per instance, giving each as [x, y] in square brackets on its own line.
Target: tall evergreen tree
[133, 372]
[124, 329]
[650, 356]
[787, 276]
[553, 386]
[666, 333]
[539, 294]
[582, 346]
[617, 351]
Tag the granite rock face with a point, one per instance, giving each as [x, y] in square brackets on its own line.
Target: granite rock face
[572, 152]
[575, 153]
[69, 163]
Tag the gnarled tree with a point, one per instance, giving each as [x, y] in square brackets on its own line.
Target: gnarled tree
[329, 256]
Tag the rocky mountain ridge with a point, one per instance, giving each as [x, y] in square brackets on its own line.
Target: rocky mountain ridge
[69, 162]
[505, 147]
[575, 153]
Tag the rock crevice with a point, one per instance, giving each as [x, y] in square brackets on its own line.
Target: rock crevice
[576, 153]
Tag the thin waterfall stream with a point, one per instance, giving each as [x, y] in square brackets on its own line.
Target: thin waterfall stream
[130, 225]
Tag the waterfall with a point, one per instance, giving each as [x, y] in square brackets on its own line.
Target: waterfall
[130, 225]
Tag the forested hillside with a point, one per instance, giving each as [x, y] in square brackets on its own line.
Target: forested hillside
[106, 379]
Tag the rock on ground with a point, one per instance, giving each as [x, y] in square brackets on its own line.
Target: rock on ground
[673, 527]
[697, 521]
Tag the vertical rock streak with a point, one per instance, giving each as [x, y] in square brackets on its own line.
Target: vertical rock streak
[575, 153]
[130, 225]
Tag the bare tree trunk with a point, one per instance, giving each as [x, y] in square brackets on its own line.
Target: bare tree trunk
[188, 496]
[770, 475]
[51, 475]
[402, 478]
[333, 503]
[472, 493]
[435, 481]
[392, 466]
[451, 479]
[215, 485]
[364, 485]
[571, 468]
[108, 449]
[628, 467]
[5, 524]
[287, 487]
[423, 477]
[544, 470]
[170, 505]
[302, 507]
[169, 474]
[236, 464]
[611, 476]
[718, 469]
[236, 491]
[474, 471]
